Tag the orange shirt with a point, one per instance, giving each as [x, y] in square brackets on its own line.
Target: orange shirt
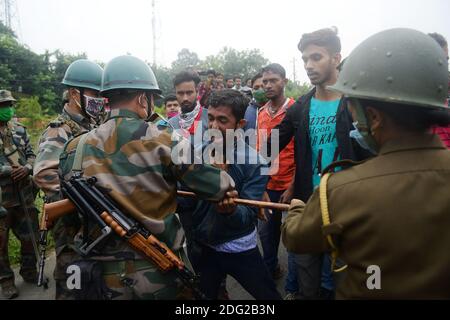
[283, 168]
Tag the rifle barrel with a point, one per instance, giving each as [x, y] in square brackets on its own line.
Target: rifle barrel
[244, 202]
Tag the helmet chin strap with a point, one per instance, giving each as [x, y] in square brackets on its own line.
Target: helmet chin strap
[363, 124]
[82, 104]
[149, 104]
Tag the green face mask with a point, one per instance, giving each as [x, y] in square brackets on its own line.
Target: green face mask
[6, 114]
[260, 97]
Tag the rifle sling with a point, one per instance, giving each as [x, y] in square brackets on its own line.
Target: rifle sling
[77, 166]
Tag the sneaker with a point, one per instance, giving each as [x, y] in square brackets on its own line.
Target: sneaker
[9, 290]
[291, 296]
[278, 273]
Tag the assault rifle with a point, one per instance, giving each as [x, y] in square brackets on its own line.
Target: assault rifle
[94, 205]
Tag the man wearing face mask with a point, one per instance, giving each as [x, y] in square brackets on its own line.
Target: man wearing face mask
[143, 183]
[387, 218]
[16, 167]
[259, 100]
[80, 114]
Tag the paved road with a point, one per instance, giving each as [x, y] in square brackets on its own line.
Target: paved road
[32, 292]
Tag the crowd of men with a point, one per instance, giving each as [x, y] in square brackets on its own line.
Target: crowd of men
[362, 159]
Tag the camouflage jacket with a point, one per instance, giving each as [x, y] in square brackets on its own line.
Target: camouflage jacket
[131, 159]
[51, 145]
[15, 148]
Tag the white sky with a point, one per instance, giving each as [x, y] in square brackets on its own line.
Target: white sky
[108, 28]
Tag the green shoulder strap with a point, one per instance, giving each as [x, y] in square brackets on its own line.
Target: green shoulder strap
[78, 161]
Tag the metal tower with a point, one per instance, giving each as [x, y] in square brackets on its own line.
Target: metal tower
[9, 14]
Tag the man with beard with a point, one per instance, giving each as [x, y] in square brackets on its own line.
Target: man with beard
[193, 116]
[237, 83]
[320, 124]
[229, 83]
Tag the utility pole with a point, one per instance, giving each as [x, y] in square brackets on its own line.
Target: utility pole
[154, 31]
[9, 13]
[293, 68]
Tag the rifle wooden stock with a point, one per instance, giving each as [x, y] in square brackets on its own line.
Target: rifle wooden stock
[150, 247]
[54, 211]
[245, 202]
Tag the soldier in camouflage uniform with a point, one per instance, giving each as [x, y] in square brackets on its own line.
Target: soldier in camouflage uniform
[16, 166]
[83, 80]
[131, 159]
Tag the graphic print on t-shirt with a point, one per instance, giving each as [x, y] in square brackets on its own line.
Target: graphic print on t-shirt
[322, 130]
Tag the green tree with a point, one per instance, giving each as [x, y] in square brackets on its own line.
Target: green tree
[232, 62]
[295, 89]
[27, 73]
[164, 76]
[185, 60]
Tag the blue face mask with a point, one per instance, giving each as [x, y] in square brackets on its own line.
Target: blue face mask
[356, 134]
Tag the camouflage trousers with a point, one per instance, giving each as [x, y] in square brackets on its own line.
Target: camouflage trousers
[63, 234]
[63, 260]
[141, 280]
[16, 220]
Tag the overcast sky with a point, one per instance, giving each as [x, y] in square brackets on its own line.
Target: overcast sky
[108, 28]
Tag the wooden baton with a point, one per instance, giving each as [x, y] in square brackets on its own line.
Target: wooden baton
[245, 202]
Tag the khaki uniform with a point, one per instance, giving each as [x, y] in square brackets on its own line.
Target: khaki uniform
[393, 212]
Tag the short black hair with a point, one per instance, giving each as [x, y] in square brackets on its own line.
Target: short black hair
[237, 77]
[170, 97]
[219, 74]
[211, 71]
[232, 99]
[256, 77]
[327, 38]
[229, 78]
[275, 68]
[120, 96]
[439, 39]
[411, 118]
[186, 76]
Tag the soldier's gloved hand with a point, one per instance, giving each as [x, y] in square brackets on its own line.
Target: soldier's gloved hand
[19, 172]
[227, 206]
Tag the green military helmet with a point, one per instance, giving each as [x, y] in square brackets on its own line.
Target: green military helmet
[6, 96]
[128, 72]
[399, 66]
[83, 74]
